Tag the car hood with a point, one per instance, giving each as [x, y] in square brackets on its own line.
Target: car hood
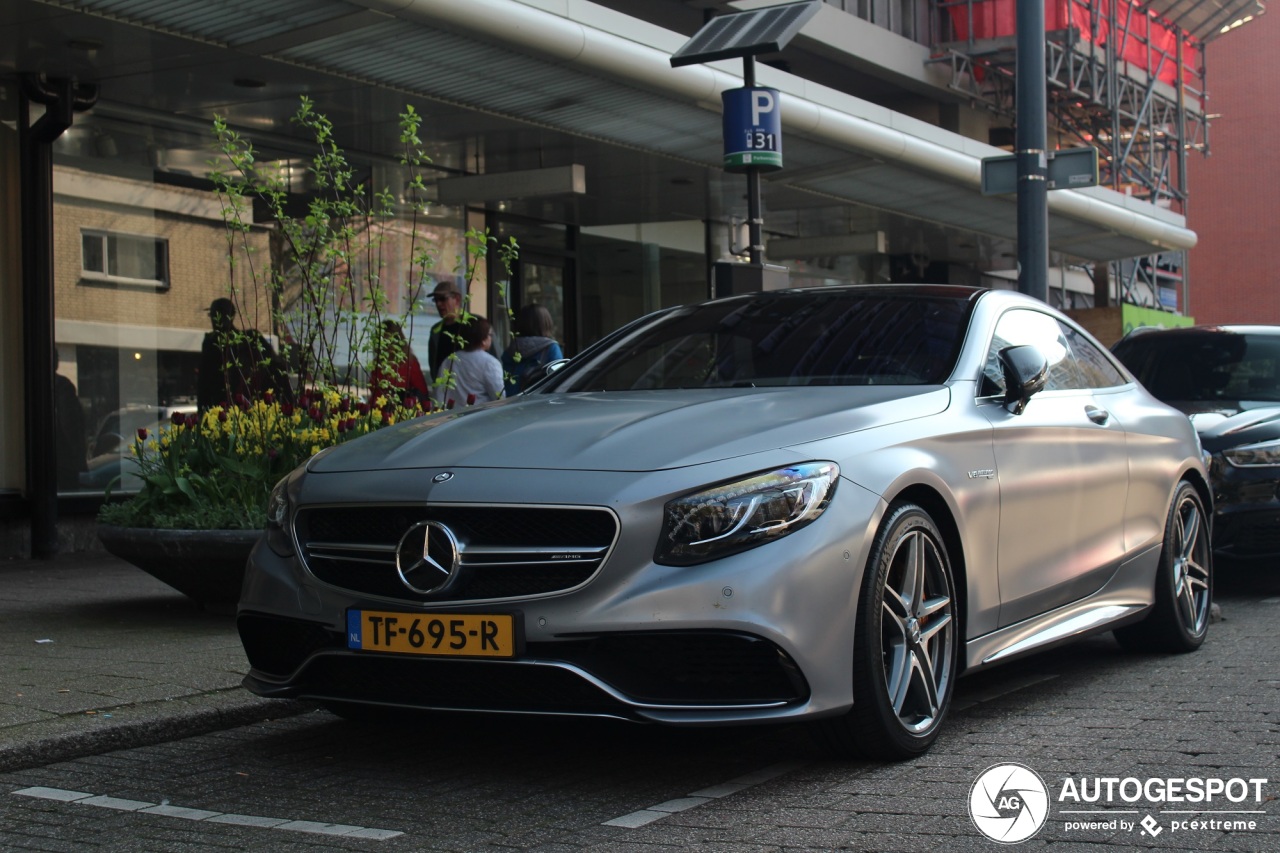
[630, 431]
[1230, 427]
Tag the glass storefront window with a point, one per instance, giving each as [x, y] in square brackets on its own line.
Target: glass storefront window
[141, 250]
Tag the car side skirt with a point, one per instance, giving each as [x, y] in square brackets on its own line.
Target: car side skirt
[1125, 598]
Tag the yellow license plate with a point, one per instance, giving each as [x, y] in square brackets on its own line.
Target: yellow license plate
[462, 634]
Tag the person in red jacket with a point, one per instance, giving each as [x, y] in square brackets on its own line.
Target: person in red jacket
[396, 369]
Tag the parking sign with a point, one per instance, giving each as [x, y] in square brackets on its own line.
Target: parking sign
[752, 129]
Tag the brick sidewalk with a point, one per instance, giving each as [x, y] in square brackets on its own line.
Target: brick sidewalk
[95, 654]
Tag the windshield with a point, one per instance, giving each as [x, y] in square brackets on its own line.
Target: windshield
[843, 337]
[1222, 366]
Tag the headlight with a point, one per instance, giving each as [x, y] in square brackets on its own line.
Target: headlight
[280, 519]
[1254, 455]
[733, 517]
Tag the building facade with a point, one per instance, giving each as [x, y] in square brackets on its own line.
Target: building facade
[559, 123]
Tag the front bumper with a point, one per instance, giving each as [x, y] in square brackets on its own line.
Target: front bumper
[632, 676]
[1246, 519]
[763, 635]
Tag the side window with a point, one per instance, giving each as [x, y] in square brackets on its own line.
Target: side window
[1019, 327]
[1096, 369]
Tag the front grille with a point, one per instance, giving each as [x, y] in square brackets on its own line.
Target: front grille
[506, 551]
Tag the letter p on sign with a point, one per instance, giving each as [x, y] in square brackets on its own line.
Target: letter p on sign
[761, 102]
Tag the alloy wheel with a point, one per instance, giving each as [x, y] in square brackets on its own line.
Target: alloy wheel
[1191, 566]
[918, 631]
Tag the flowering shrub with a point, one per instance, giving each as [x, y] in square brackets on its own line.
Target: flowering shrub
[217, 470]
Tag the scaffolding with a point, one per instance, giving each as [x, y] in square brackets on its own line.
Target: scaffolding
[1120, 79]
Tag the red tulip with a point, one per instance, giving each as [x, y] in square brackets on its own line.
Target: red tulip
[471, 399]
[142, 433]
[268, 396]
[180, 419]
[222, 416]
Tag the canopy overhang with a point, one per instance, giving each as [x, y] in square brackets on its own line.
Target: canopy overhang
[1206, 20]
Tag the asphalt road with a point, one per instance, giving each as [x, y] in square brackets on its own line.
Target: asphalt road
[1075, 717]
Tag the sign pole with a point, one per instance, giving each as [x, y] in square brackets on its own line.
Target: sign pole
[752, 120]
[1032, 159]
[755, 220]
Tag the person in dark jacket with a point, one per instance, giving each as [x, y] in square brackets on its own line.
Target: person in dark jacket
[71, 440]
[236, 363]
[449, 334]
[534, 347]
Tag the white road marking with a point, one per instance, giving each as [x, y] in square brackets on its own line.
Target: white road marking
[81, 798]
[706, 795]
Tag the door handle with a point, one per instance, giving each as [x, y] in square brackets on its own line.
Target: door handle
[1098, 416]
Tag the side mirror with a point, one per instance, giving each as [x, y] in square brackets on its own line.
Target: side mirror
[1025, 372]
[540, 374]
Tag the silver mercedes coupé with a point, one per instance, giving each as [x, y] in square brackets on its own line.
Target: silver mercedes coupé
[818, 505]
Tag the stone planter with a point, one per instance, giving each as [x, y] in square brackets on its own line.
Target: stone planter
[205, 565]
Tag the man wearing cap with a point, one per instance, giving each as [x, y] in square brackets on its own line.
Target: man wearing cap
[235, 362]
[449, 334]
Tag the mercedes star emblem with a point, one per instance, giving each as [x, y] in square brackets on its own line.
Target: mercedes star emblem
[427, 557]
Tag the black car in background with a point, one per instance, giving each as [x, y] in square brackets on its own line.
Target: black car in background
[1227, 379]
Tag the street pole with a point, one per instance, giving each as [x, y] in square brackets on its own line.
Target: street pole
[1030, 140]
[755, 221]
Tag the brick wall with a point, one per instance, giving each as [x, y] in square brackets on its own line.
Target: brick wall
[1233, 192]
[198, 268]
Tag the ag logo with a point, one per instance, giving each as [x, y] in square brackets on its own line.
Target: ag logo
[1008, 803]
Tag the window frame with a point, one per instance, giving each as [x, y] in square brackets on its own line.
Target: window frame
[108, 242]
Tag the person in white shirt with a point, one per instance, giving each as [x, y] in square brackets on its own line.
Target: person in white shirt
[471, 375]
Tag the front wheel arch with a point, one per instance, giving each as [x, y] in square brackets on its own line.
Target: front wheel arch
[940, 511]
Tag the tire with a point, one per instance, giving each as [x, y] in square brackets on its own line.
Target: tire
[1179, 619]
[905, 644]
